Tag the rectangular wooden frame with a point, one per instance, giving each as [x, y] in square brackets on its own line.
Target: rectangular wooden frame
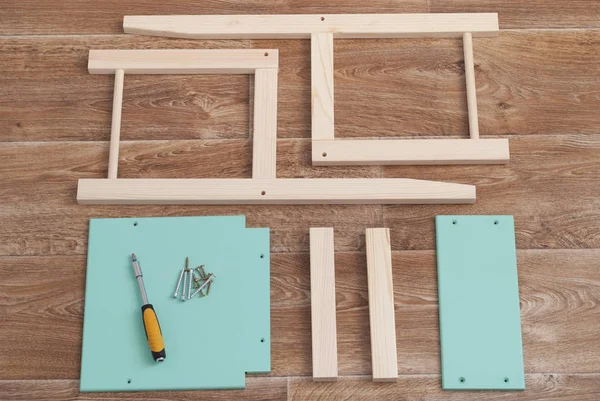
[321, 29]
[263, 187]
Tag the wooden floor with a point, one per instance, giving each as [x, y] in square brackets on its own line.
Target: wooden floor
[538, 84]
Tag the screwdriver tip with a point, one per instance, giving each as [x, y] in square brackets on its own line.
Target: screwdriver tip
[133, 257]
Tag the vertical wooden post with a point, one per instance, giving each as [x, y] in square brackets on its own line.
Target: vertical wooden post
[115, 129]
[264, 147]
[471, 92]
[322, 302]
[321, 65]
[381, 305]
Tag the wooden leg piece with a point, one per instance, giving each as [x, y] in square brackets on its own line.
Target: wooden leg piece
[381, 305]
[322, 298]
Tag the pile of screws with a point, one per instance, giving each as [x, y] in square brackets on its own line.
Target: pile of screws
[188, 278]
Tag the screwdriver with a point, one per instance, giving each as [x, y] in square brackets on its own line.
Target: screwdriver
[151, 325]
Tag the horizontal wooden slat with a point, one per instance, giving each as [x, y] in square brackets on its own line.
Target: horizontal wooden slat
[340, 152]
[42, 297]
[301, 26]
[186, 191]
[257, 388]
[31, 17]
[384, 88]
[428, 387]
[178, 61]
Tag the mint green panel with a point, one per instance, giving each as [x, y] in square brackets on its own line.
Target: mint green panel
[480, 324]
[204, 338]
[256, 300]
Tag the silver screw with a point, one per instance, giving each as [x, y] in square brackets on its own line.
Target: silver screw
[185, 276]
[207, 282]
[178, 283]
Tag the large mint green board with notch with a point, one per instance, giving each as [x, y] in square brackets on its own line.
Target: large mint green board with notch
[210, 342]
[480, 324]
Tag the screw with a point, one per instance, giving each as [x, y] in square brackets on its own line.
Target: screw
[185, 276]
[201, 272]
[208, 289]
[207, 282]
[178, 283]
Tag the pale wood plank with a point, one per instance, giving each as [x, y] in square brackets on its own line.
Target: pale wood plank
[115, 127]
[471, 88]
[322, 302]
[257, 388]
[191, 61]
[277, 191]
[566, 387]
[341, 152]
[321, 70]
[301, 26]
[264, 149]
[381, 305]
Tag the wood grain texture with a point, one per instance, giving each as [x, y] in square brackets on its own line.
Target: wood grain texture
[283, 191]
[257, 388]
[531, 14]
[538, 87]
[264, 134]
[303, 26]
[180, 61]
[383, 88]
[321, 84]
[559, 290]
[410, 152]
[38, 184]
[427, 387]
[382, 321]
[322, 304]
[28, 17]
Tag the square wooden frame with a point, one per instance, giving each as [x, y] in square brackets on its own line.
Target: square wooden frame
[263, 187]
[321, 29]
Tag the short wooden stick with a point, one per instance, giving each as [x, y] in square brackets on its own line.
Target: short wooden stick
[322, 302]
[115, 129]
[470, 78]
[381, 305]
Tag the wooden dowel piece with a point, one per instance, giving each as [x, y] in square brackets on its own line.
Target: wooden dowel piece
[381, 305]
[322, 301]
[115, 129]
[471, 91]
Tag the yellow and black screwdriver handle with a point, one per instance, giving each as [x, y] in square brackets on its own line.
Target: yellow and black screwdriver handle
[153, 333]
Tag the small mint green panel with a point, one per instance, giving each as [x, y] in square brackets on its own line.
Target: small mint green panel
[480, 323]
[205, 339]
